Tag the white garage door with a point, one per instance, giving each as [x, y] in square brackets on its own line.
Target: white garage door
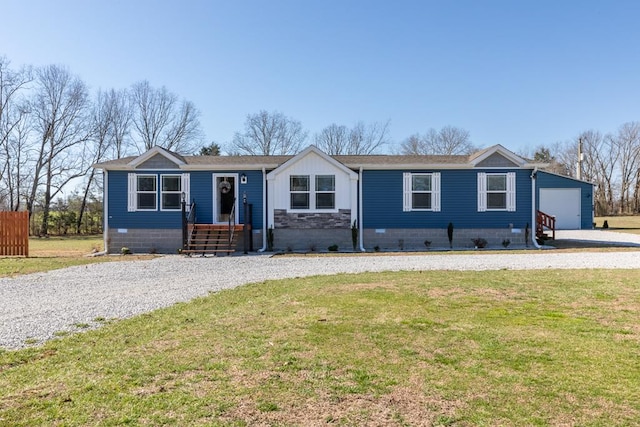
[564, 203]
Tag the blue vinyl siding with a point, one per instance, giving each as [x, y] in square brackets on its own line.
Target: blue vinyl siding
[382, 201]
[253, 188]
[201, 187]
[548, 180]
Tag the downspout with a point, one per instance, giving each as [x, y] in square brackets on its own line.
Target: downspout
[264, 211]
[533, 208]
[105, 209]
[360, 211]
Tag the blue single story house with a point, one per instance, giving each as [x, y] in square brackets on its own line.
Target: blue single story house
[311, 201]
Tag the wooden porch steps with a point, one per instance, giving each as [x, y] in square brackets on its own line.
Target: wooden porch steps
[211, 239]
[545, 222]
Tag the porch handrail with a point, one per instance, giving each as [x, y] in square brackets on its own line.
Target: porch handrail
[188, 218]
[545, 220]
[232, 223]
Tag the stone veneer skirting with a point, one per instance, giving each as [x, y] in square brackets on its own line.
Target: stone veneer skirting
[311, 239]
[319, 220]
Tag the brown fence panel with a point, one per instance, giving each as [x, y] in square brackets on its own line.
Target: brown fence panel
[14, 233]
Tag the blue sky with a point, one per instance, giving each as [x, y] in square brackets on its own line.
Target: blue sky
[516, 73]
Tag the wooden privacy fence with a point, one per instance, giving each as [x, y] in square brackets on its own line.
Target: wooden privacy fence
[14, 233]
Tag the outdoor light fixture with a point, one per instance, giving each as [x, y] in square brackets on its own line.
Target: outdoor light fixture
[243, 178]
[183, 196]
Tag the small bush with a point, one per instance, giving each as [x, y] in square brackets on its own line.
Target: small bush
[479, 242]
[376, 248]
[125, 251]
[333, 248]
[427, 243]
[506, 243]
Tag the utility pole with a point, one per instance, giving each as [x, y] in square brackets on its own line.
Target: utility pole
[580, 158]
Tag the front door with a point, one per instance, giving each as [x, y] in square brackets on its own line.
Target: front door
[225, 198]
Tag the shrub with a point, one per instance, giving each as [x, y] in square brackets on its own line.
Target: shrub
[427, 243]
[333, 248]
[354, 234]
[125, 251]
[479, 242]
[506, 243]
[270, 238]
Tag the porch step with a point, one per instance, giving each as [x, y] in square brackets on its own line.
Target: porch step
[211, 239]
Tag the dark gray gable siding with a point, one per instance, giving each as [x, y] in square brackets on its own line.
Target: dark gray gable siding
[382, 204]
[496, 160]
[158, 162]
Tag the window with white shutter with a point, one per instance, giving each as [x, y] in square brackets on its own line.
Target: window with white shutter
[421, 192]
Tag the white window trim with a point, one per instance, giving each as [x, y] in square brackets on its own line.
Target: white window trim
[186, 189]
[132, 205]
[407, 200]
[132, 190]
[307, 192]
[510, 192]
[179, 192]
[312, 195]
[316, 192]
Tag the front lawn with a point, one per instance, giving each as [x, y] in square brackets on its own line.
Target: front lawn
[410, 348]
[58, 252]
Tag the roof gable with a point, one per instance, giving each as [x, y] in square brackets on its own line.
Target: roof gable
[158, 157]
[312, 150]
[496, 157]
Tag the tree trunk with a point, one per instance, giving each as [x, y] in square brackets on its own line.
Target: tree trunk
[83, 205]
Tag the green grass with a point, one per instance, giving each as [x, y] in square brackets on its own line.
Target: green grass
[57, 252]
[409, 348]
[625, 224]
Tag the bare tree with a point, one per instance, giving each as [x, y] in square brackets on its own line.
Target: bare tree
[333, 139]
[449, 140]
[160, 118]
[13, 130]
[627, 142]
[60, 107]
[367, 139]
[412, 145]
[598, 164]
[105, 125]
[361, 139]
[269, 134]
[117, 107]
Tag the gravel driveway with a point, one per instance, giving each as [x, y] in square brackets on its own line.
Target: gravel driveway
[34, 307]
